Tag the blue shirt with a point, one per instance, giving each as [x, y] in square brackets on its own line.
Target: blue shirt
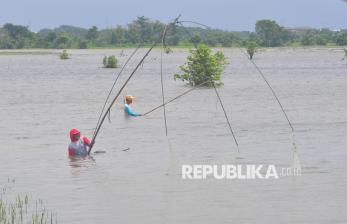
[129, 111]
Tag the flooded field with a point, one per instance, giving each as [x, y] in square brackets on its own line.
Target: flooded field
[42, 97]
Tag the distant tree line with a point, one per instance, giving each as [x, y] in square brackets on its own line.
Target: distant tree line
[143, 30]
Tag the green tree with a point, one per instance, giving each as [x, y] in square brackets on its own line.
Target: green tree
[140, 30]
[16, 31]
[62, 41]
[324, 36]
[196, 39]
[51, 36]
[268, 33]
[251, 49]
[341, 39]
[143, 27]
[226, 39]
[5, 40]
[92, 33]
[117, 35]
[307, 39]
[19, 36]
[203, 67]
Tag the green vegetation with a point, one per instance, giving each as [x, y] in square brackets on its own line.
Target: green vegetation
[145, 31]
[64, 55]
[345, 52]
[251, 49]
[110, 61]
[203, 67]
[195, 40]
[269, 33]
[24, 209]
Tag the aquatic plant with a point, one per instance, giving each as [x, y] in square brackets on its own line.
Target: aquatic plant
[203, 67]
[251, 49]
[23, 209]
[110, 61]
[345, 51]
[64, 55]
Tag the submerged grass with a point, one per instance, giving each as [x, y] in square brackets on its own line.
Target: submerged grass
[23, 209]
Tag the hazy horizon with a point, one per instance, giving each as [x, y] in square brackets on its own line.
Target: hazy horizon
[221, 14]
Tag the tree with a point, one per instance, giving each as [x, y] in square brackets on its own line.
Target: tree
[19, 36]
[140, 30]
[195, 40]
[203, 67]
[307, 39]
[5, 40]
[16, 31]
[251, 49]
[117, 35]
[341, 39]
[143, 27]
[51, 36]
[92, 33]
[268, 33]
[62, 41]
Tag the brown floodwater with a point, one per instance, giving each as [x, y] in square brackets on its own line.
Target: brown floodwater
[42, 97]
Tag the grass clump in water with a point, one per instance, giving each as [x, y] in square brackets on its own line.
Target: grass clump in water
[23, 209]
[110, 61]
[64, 55]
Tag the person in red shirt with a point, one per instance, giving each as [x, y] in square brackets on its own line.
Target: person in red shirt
[79, 145]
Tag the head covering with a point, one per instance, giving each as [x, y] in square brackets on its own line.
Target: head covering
[73, 132]
[129, 98]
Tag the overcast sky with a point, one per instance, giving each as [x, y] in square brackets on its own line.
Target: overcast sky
[225, 14]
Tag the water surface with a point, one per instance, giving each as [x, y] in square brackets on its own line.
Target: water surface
[42, 97]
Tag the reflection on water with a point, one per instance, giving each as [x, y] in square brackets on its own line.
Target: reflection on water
[137, 177]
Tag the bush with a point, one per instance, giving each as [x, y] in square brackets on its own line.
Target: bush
[251, 49]
[110, 61]
[64, 55]
[203, 67]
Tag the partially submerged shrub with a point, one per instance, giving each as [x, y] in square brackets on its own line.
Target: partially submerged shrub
[110, 61]
[64, 55]
[251, 49]
[203, 67]
[345, 51]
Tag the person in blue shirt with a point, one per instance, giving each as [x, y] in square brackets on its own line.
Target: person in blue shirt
[127, 107]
